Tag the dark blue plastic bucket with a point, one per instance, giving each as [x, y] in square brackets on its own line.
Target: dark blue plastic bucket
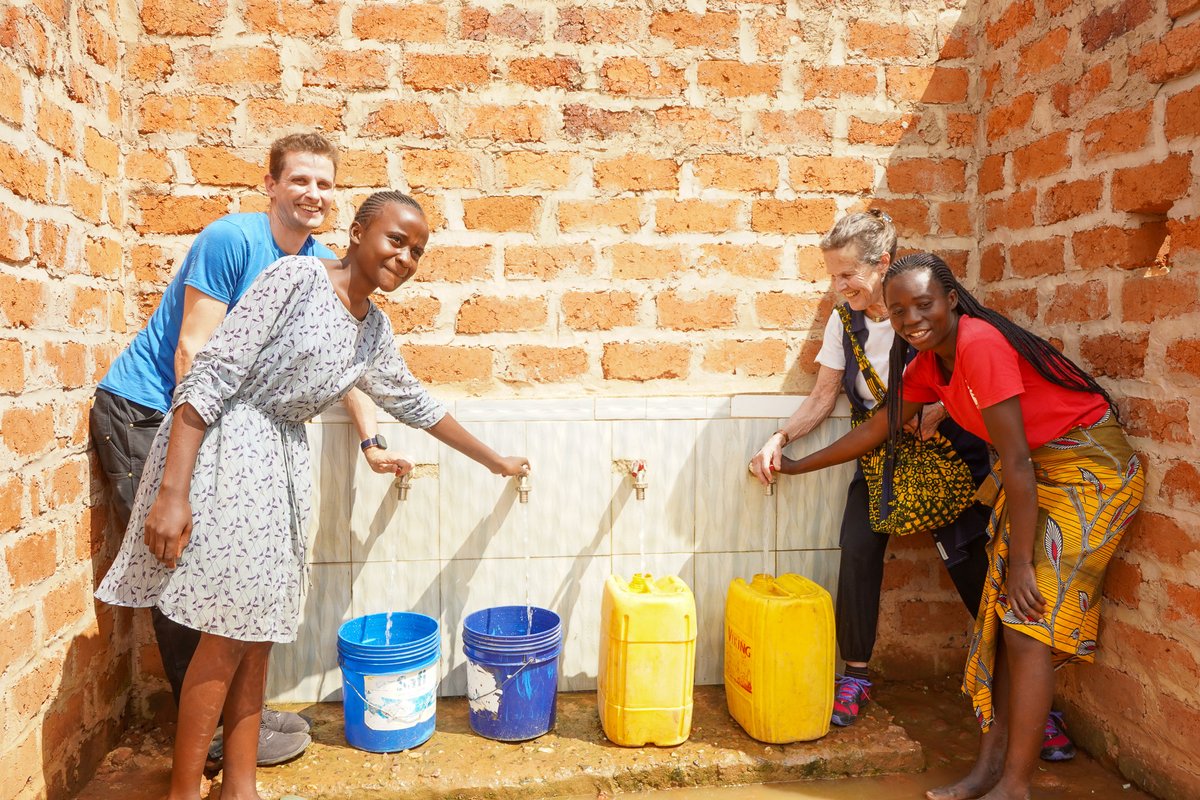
[512, 671]
[389, 679]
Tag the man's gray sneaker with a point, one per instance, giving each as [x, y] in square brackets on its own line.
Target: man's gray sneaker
[284, 721]
[273, 747]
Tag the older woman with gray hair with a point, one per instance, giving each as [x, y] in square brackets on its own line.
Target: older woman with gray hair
[857, 251]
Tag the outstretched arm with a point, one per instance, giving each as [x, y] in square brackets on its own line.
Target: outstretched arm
[1006, 429]
[815, 409]
[860, 441]
[450, 432]
[362, 412]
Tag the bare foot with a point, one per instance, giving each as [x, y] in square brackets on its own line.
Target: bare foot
[1003, 792]
[978, 782]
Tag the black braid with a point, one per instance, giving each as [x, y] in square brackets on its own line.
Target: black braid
[371, 207]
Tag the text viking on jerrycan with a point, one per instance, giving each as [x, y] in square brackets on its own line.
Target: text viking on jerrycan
[779, 657]
[647, 660]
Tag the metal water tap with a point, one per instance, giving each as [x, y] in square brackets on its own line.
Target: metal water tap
[523, 487]
[637, 471]
[402, 484]
[769, 489]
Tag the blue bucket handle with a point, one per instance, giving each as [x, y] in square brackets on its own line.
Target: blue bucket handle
[380, 710]
[500, 688]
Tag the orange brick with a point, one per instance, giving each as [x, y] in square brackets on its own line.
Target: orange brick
[599, 311]
[590, 215]
[793, 128]
[636, 173]
[691, 216]
[21, 301]
[991, 173]
[1014, 212]
[1043, 54]
[782, 310]
[1047, 156]
[747, 261]
[100, 45]
[547, 263]
[774, 35]
[927, 176]
[24, 35]
[831, 174]
[885, 41]
[501, 213]
[961, 129]
[403, 118]
[1114, 355]
[754, 358]
[792, 216]
[264, 115]
[885, 130]
[1164, 421]
[12, 102]
[1037, 258]
[1177, 8]
[31, 559]
[1070, 199]
[437, 72]
[389, 22]
[546, 72]
[14, 240]
[954, 218]
[487, 314]
[1171, 56]
[712, 31]
[644, 262]
[456, 264]
[164, 213]
[12, 381]
[56, 126]
[1183, 114]
[535, 170]
[189, 113]
[508, 123]
[1149, 297]
[235, 65]
[66, 605]
[1072, 96]
[352, 69]
[447, 364]
[584, 25]
[737, 173]
[540, 364]
[1122, 132]
[1103, 26]
[217, 166]
[17, 630]
[149, 165]
[84, 196]
[54, 245]
[100, 152]
[316, 19]
[1152, 188]
[645, 361]
[991, 264]
[362, 168]
[929, 85]
[1020, 305]
[736, 79]
[479, 24]
[640, 77]
[696, 125]
[28, 431]
[1125, 248]
[442, 169]
[701, 313]
[1011, 22]
[1183, 357]
[181, 17]
[582, 122]
[837, 80]
[412, 314]
[1002, 120]
[958, 43]
[910, 216]
[89, 308]
[103, 257]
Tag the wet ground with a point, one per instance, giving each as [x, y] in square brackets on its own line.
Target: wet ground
[919, 734]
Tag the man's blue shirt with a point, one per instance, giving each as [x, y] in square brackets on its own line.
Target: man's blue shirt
[223, 261]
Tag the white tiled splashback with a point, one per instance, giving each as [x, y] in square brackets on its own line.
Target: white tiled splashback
[461, 542]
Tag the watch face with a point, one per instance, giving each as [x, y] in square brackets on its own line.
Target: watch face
[379, 440]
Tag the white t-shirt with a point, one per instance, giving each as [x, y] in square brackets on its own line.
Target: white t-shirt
[879, 344]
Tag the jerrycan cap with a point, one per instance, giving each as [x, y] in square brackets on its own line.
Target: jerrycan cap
[641, 582]
[767, 584]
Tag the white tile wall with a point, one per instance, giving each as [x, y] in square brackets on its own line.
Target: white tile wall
[461, 542]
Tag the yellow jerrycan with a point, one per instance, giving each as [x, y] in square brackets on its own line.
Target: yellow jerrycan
[779, 657]
[647, 660]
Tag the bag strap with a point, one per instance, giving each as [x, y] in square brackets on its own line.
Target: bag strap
[878, 390]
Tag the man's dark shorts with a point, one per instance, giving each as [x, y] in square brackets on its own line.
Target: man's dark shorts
[122, 431]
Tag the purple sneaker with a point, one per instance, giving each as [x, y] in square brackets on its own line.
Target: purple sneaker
[849, 696]
[1055, 744]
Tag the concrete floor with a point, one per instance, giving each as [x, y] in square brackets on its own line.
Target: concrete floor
[919, 733]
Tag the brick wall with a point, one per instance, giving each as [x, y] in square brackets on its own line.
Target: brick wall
[64, 662]
[625, 200]
[1089, 201]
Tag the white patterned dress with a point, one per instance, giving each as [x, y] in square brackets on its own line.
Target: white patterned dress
[287, 351]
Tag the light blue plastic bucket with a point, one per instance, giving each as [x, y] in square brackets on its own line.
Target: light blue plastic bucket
[389, 679]
[512, 671]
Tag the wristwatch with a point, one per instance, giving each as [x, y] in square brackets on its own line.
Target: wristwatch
[375, 441]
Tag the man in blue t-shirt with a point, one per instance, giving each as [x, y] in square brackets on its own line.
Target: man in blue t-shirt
[135, 393]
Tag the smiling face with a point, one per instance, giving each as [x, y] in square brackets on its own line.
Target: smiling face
[301, 195]
[387, 249]
[859, 283]
[923, 313]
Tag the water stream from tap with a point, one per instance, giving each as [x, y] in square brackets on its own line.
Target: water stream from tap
[387, 630]
[523, 515]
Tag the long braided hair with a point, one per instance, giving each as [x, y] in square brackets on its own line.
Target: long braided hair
[370, 208]
[1042, 356]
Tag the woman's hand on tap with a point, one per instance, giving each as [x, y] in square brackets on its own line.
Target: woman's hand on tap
[387, 462]
[767, 460]
[512, 466]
